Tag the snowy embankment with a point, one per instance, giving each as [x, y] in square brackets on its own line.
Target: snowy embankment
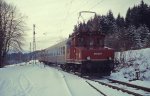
[131, 62]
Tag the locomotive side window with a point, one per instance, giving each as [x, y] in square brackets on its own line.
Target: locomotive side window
[68, 44]
[100, 42]
[80, 42]
[91, 42]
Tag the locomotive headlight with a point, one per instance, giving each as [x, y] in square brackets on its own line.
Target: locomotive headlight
[88, 58]
[110, 58]
[79, 55]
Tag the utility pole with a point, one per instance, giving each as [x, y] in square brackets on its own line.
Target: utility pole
[34, 45]
[30, 55]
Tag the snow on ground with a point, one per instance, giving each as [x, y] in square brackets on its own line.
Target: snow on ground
[37, 80]
[134, 60]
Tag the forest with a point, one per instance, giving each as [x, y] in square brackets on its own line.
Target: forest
[122, 33]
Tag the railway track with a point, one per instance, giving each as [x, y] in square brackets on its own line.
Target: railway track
[119, 85]
[122, 86]
[96, 89]
[130, 85]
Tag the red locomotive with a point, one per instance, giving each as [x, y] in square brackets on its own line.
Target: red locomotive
[83, 52]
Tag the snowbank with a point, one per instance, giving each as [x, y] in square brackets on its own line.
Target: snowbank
[133, 61]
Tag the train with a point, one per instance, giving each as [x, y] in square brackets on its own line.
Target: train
[83, 53]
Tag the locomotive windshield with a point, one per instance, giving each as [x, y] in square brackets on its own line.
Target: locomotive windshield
[90, 42]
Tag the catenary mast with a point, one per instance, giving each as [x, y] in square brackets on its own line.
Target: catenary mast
[34, 45]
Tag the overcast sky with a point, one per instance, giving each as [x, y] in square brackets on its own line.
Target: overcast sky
[55, 19]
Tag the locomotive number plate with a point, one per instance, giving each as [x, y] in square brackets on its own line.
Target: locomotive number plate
[97, 53]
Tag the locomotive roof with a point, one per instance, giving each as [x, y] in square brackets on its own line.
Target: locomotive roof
[87, 33]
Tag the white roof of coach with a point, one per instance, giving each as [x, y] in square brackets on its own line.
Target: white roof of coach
[62, 43]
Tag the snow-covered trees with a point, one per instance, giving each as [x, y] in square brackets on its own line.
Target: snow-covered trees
[138, 15]
[142, 37]
[131, 32]
[12, 28]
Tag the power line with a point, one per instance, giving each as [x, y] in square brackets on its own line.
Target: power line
[68, 12]
[72, 13]
[96, 5]
[79, 8]
[90, 8]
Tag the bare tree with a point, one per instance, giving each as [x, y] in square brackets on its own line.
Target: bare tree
[12, 27]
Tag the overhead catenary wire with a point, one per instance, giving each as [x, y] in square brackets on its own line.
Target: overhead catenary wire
[79, 8]
[65, 19]
[72, 13]
[96, 5]
[68, 15]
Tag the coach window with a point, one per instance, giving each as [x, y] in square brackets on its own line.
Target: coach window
[63, 50]
[54, 53]
[58, 51]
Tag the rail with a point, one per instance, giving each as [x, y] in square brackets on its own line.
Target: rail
[96, 89]
[130, 85]
[123, 90]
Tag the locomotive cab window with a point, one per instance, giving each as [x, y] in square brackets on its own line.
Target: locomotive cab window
[80, 42]
[100, 42]
[91, 41]
[68, 43]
